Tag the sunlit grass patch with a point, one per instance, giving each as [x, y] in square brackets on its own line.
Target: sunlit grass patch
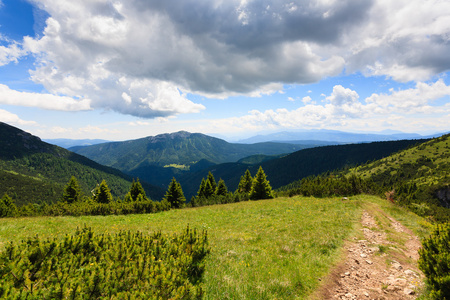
[268, 249]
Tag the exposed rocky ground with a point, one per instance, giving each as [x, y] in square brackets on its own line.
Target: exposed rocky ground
[383, 265]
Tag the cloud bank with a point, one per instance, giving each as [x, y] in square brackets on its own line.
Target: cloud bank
[407, 110]
[142, 57]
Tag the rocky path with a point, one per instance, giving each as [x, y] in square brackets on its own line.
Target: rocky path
[383, 265]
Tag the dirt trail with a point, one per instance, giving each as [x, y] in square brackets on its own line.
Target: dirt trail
[383, 265]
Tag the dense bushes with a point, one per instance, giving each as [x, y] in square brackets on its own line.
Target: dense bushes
[112, 208]
[125, 265]
[7, 207]
[329, 185]
[434, 261]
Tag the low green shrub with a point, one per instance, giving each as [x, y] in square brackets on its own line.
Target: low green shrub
[125, 265]
[434, 261]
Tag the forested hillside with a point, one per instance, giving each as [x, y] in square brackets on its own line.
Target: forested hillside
[303, 163]
[32, 171]
[418, 178]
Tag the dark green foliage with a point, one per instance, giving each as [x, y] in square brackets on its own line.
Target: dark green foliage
[212, 181]
[417, 178]
[301, 164]
[318, 160]
[7, 207]
[125, 265]
[102, 193]
[221, 189]
[72, 191]
[88, 208]
[137, 192]
[208, 191]
[174, 194]
[245, 185]
[201, 189]
[206, 196]
[261, 188]
[33, 171]
[434, 261]
[330, 185]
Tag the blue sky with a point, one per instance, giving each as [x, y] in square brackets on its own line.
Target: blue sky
[122, 70]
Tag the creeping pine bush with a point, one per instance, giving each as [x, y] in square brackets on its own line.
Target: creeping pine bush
[434, 261]
[125, 265]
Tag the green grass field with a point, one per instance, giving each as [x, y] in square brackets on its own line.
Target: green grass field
[268, 249]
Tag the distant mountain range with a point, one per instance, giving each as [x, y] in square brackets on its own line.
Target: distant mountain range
[189, 157]
[69, 143]
[180, 150]
[332, 137]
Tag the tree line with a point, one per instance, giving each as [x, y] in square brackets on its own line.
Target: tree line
[101, 201]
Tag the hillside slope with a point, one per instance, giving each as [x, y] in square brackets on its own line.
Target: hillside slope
[34, 171]
[300, 164]
[419, 177]
[424, 164]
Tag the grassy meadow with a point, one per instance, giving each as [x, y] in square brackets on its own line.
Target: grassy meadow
[268, 249]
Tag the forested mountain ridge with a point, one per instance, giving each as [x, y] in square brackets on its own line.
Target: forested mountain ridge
[16, 143]
[418, 176]
[34, 171]
[423, 164]
[302, 163]
[181, 149]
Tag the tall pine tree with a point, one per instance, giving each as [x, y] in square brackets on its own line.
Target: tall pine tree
[212, 181]
[201, 189]
[245, 185]
[221, 188]
[136, 193]
[103, 193]
[209, 191]
[261, 188]
[72, 191]
[174, 194]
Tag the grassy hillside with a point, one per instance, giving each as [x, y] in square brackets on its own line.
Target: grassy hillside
[271, 249]
[418, 177]
[425, 164]
[32, 171]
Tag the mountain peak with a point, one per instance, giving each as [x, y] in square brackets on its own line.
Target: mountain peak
[16, 142]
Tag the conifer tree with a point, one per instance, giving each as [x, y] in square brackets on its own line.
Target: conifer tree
[201, 189]
[209, 191]
[72, 191]
[174, 194]
[221, 188]
[103, 193]
[136, 192]
[245, 185]
[212, 181]
[7, 206]
[261, 188]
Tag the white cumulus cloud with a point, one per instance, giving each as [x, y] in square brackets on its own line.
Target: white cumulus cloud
[408, 110]
[143, 57]
[45, 101]
[13, 119]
